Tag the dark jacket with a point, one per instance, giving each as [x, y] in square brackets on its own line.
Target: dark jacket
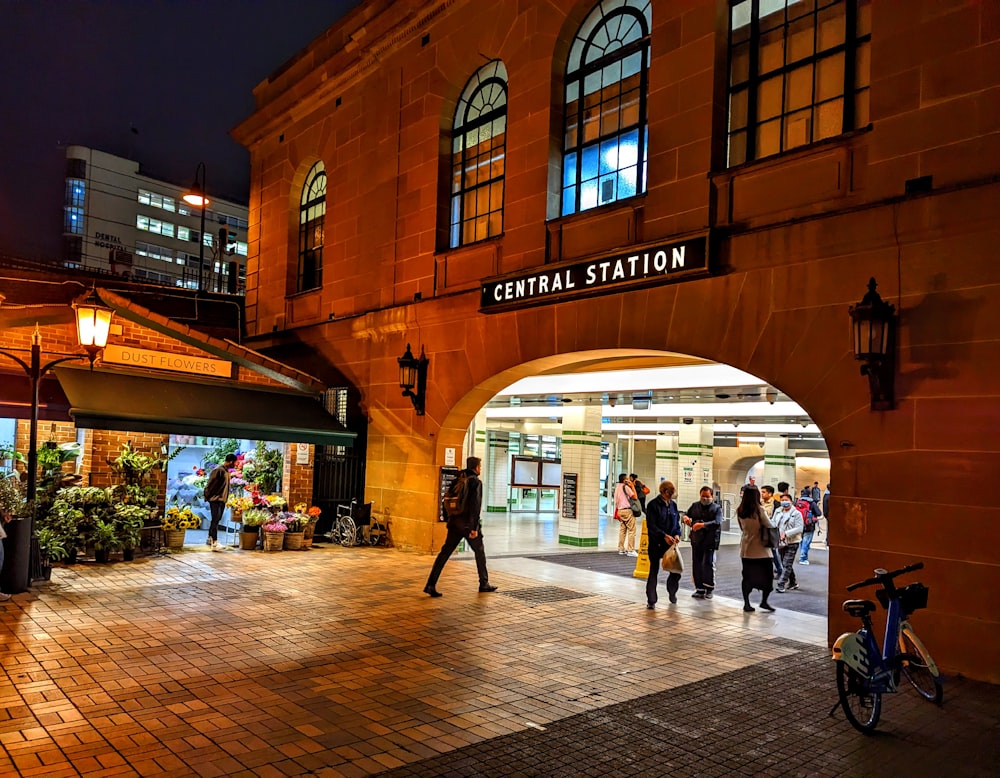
[826, 503]
[217, 486]
[711, 516]
[470, 518]
[662, 518]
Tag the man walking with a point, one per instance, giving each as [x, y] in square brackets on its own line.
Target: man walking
[465, 526]
[216, 494]
[705, 520]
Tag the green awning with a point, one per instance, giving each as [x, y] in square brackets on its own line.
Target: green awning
[133, 402]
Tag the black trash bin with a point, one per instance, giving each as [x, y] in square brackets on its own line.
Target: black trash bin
[16, 555]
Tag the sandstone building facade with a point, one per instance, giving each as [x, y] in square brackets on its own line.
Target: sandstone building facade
[423, 169]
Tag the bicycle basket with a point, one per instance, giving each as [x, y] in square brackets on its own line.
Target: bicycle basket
[912, 597]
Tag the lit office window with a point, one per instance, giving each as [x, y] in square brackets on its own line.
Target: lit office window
[155, 200]
[148, 224]
[605, 132]
[799, 72]
[154, 252]
[478, 151]
[73, 220]
[312, 215]
[75, 192]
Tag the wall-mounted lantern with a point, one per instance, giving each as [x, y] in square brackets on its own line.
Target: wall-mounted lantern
[874, 335]
[413, 378]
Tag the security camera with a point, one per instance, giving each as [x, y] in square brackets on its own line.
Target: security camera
[612, 401]
[688, 420]
[736, 423]
[771, 395]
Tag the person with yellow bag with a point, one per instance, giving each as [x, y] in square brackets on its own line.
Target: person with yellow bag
[663, 528]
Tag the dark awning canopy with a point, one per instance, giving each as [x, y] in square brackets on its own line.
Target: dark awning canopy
[131, 402]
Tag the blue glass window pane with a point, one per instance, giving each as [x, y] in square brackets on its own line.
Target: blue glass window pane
[628, 150]
[569, 200]
[589, 167]
[592, 83]
[632, 64]
[569, 169]
[609, 156]
[626, 183]
[613, 73]
[572, 91]
[588, 195]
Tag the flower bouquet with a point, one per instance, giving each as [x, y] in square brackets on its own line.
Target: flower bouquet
[312, 513]
[175, 521]
[253, 520]
[239, 504]
[274, 535]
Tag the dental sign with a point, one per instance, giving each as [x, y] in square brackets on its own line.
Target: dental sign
[617, 273]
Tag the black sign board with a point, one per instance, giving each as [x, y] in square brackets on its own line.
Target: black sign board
[569, 495]
[619, 272]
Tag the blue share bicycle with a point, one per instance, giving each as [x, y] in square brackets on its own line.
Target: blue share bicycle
[865, 672]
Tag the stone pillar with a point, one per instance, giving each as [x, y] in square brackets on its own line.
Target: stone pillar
[666, 462]
[694, 454]
[497, 478]
[581, 454]
[779, 463]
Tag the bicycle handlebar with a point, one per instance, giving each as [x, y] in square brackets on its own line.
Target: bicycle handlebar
[881, 576]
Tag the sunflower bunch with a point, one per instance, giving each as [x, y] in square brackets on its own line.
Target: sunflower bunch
[180, 518]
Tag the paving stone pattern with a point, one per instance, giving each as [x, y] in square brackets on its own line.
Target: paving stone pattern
[334, 663]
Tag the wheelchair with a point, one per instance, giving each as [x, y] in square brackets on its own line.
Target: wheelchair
[355, 525]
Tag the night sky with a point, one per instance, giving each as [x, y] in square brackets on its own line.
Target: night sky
[85, 73]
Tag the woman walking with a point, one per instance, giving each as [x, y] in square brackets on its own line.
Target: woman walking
[663, 527]
[755, 556]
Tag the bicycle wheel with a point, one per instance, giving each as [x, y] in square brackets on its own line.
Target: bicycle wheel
[861, 706]
[919, 668]
[346, 529]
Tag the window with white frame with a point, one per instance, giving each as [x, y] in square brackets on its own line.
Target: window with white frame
[154, 252]
[148, 224]
[605, 125]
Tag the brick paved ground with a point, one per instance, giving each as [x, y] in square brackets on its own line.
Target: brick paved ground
[332, 662]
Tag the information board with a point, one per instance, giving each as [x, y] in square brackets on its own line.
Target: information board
[447, 477]
[569, 495]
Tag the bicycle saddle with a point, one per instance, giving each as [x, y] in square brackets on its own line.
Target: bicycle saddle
[858, 608]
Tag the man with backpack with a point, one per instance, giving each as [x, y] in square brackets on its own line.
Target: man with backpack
[810, 518]
[462, 507]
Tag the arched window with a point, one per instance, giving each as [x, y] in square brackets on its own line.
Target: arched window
[478, 151]
[312, 213]
[604, 144]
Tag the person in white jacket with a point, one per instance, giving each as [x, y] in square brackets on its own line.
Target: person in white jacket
[789, 522]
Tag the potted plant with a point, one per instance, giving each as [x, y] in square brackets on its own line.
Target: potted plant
[253, 520]
[105, 540]
[175, 521]
[265, 468]
[312, 513]
[294, 529]
[51, 548]
[129, 521]
[238, 504]
[17, 533]
[274, 535]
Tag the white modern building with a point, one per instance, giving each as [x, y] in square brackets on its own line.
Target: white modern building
[118, 220]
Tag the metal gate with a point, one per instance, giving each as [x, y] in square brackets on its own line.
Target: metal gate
[339, 471]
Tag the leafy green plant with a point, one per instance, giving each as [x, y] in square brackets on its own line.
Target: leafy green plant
[256, 517]
[218, 453]
[51, 457]
[51, 546]
[265, 468]
[129, 521]
[105, 538]
[133, 467]
[10, 454]
[12, 502]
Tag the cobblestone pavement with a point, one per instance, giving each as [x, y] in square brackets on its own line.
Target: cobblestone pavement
[332, 662]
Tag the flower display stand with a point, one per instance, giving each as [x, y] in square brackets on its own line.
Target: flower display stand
[273, 541]
[249, 538]
[174, 538]
[293, 540]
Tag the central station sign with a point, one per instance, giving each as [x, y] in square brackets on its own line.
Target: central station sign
[618, 272]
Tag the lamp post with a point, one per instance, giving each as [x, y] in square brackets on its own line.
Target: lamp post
[196, 197]
[93, 323]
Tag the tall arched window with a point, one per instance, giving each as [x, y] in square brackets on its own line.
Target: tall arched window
[312, 213]
[478, 151]
[604, 145]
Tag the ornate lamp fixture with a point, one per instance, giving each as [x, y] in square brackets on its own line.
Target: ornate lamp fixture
[413, 378]
[93, 323]
[874, 325]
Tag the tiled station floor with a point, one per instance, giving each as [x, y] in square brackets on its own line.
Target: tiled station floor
[333, 662]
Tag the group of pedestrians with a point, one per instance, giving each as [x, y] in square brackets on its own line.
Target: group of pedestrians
[663, 529]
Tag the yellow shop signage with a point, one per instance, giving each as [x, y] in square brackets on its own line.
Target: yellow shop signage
[164, 360]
